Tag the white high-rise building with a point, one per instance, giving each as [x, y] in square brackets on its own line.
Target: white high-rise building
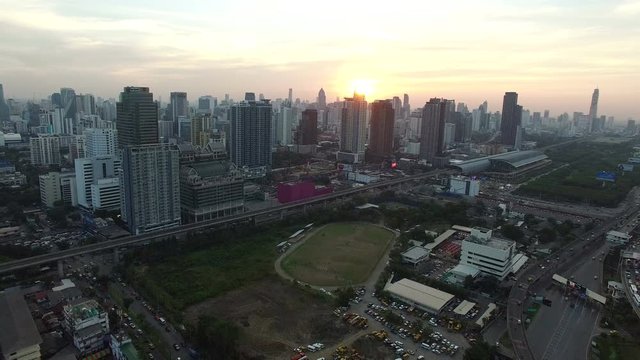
[449, 133]
[45, 150]
[87, 323]
[105, 194]
[50, 188]
[61, 125]
[150, 187]
[89, 171]
[101, 142]
[283, 126]
[353, 129]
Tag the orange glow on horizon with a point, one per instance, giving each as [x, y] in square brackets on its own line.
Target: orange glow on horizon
[364, 87]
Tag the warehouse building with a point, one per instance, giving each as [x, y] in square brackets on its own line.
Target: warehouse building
[19, 337]
[421, 296]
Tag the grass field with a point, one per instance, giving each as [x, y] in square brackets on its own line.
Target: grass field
[338, 254]
[615, 348]
[577, 183]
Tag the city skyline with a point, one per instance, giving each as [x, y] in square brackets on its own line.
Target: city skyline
[553, 56]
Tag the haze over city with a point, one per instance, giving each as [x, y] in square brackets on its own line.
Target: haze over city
[552, 53]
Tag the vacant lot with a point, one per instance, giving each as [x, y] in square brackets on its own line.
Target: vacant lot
[576, 182]
[338, 254]
[274, 317]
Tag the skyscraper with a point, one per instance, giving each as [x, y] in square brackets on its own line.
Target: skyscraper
[97, 179]
[290, 98]
[434, 115]
[45, 150]
[511, 118]
[308, 128]
[322, 99]
[100, 142]
[4, 108]
[353, 129]
[137, 117]
[593, 109]
[68, 103]
[250, 135]
[178, 107]
[207, 104]
[406, 108]
[397, 108]
[151, 187]
[381, 130]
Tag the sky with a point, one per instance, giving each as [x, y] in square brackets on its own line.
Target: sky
[553, 53]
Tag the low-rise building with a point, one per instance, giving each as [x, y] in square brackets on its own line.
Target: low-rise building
[421, 296]
[122, 347]
[19, 337]
[618, 237]
[88, 324]
[492, 256]
[415, 255]
[463, 185]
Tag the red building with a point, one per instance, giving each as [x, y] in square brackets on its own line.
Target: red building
[288, 192]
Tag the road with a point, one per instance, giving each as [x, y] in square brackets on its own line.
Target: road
[15, 265]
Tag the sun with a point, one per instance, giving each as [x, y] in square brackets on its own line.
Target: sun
[363, 86]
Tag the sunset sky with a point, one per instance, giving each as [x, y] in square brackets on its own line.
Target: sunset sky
[553, 53]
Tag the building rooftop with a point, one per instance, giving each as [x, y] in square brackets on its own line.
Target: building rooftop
[501, 244]
[83, 310]
[420, 294]
[464, 307]
[18, 329]
[439, 240]
[415, 253]
[619, 234]
[465, 270]
[66, 284]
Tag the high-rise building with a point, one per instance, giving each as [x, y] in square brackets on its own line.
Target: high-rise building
[631, 126]
[137, 119]
[290, 97]
[381, 127]
[308, 128]
[4, 108]
[249, 96]
[250, 135]
[58, 186]
[100, 142]
[492, 256]
[593, 109]
[511, 119]
[434, 115]
[201, 128]
[406, 108]
[45, 150]
[90, 175]
[151, 187]
[178, 106]
[283, 126]
[207, 104]
[449, 133]
[353, 129]
[68, 103]
[397, 107]
[322, 99]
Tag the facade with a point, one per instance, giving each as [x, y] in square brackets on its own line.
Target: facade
[308, 129]
[282, 126]
[50, 188]
[89, 171]
[510, 125]
[449, 133]
[464, 186]
[100, 142]
[492, 256]
[45, 150]
[137, 117]
[68, 188]
[201, 129]
[150, 188]
[618, 238]
[381, 129]
[434, 116]
[209, 189]
[353, 129]
[13, 179]
[593, 109]
[250, 136]
[19, 338]
[88, 324]
[207, 104]
[105, 194]
[4, 108]
[122, 347]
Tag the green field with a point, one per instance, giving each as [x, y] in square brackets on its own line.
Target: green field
[615, 348]
[338, 254]
[577, 183]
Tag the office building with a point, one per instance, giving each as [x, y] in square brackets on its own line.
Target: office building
[100, 142]
[250, 135]
[150, 188]
[593, 109]
[68, 103]
[58, 186]
[87, 323]
[434, 115]
[308, 129]
[178, 106]
[137, 121]
[210, 187]
[60, 124]
[492, 256]
[19, 338]
[45, 150]
[207, 104]
[510, 124]
[406, 108]
[282, 126]
[77, 147]
[249, 96]
[353, 129]
[381, 130]
[98, 178]
[322, 99]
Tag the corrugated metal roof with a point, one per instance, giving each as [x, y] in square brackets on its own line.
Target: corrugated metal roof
[420, 294]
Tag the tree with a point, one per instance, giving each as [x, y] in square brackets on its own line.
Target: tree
[468, 281]
[530, 219]
[512, 232]
[499, 211]
[480, 351]
[126, 303]
[547, 235]
[344, 295]
[216, 338]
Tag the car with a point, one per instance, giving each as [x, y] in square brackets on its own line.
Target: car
[150, 356]
[595, 277]
[176, 346]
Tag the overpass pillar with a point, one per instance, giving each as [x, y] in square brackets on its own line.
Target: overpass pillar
[304, 209]
[60, 269]
[281, 214]
[116, 256]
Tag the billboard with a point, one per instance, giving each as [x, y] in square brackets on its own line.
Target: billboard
[625, 167]
[606, 176]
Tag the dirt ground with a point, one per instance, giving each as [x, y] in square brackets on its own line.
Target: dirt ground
[275, 317]
[373, 349]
